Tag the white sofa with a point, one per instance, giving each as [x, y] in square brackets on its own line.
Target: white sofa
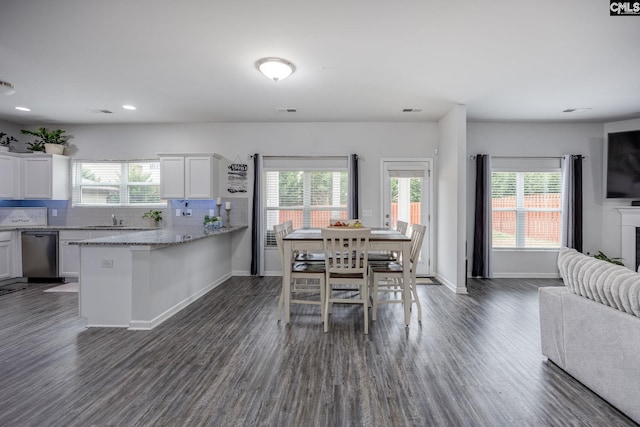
[591, 327]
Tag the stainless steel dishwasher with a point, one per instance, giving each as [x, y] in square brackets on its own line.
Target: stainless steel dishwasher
[40, 255]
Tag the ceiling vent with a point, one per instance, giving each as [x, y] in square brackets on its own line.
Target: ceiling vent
[6, 88]
[287, 110]
[576, 110]
[412, 110]
[99, 111]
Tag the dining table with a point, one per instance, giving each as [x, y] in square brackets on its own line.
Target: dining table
[381, 239]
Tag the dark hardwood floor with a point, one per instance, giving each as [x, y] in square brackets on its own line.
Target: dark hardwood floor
[226, 361]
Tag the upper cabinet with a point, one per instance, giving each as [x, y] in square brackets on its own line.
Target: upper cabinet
[189, 176]
[34, 176]
[9, 177]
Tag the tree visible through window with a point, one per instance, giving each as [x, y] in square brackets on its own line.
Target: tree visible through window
[134, 183]
[308, 198]
[526, 209]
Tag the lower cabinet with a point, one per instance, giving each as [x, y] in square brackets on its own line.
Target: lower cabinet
[6, 251]
[69, 255]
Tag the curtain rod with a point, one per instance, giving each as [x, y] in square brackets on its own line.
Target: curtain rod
[473, 157]
[306, 157]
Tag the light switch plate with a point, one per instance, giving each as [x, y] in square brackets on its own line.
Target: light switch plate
[177, 212]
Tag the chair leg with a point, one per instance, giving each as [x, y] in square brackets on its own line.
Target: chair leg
[365, 306]
[414, 291]
[325, 311]
[374, 296]
[280, 303]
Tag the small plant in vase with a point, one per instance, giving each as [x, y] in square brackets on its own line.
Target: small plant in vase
[212, 222]
[154, 216]
[51, 141]
[5, 141]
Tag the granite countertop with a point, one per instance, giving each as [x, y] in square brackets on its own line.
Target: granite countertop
[158, 237]
[73, 227]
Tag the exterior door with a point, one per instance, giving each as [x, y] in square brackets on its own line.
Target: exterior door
[407, 196]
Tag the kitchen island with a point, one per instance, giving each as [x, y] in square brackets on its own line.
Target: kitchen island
[138, 280]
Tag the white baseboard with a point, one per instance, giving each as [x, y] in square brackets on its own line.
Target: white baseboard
[145, 325]
[523, 276]
[457, 289]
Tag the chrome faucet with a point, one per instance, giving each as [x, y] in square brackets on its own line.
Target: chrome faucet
[115, 220]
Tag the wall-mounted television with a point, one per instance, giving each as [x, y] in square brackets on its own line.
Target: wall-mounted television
[623, 165]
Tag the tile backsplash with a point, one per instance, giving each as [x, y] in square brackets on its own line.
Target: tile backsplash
[65, 214]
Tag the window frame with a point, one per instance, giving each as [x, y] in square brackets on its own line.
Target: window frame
[522, 166]
[305, 165]
[124, 185]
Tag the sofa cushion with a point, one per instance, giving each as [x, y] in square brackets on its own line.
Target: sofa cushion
[601, 281]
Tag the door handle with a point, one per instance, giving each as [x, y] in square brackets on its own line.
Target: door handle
[386, 224]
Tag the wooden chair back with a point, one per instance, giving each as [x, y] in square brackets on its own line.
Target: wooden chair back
[346, 250]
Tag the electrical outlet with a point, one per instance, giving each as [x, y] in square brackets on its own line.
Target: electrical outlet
[211, 212]
[107, 263]
[189, 212]
[177, 212]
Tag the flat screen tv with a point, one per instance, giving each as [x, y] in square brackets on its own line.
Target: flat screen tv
[623, 165]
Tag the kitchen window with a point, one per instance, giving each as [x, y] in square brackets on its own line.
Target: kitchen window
[116, 183]
[308, 191]
[526, 203]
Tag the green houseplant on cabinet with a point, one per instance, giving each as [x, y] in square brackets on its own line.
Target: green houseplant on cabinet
[5, 141]
[50, 141]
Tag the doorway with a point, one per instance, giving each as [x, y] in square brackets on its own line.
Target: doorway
[407, 191]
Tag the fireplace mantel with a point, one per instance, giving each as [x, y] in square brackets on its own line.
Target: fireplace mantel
[629, 221]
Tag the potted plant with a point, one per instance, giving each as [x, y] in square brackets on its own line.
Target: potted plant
[5, 141]
[50, 141]
[601, 256]
[154, 216]
[212, 222]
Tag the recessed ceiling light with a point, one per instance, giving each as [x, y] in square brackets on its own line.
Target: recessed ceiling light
[128, 107]
[23, 108]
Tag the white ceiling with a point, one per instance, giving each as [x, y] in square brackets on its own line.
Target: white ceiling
[357, 60]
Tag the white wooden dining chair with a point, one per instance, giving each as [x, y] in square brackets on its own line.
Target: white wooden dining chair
[402, 227]
[306, 278]
[346, 269]
[386, 277]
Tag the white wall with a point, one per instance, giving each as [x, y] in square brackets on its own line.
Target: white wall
[450, 199]
[540, 139]
[12, 129]
[610, 216]
[370, 141]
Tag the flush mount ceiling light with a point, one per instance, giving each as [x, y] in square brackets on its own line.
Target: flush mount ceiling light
[129, 107]
[275, 68]
[6, 88]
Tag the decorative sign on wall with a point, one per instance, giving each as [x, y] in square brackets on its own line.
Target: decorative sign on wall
[237, 177]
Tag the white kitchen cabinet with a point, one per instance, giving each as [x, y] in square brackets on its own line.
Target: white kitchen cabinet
[189, 176]
[6, 254]
[45, 177]
[9, 177]
[69, 255]
[34, 176]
